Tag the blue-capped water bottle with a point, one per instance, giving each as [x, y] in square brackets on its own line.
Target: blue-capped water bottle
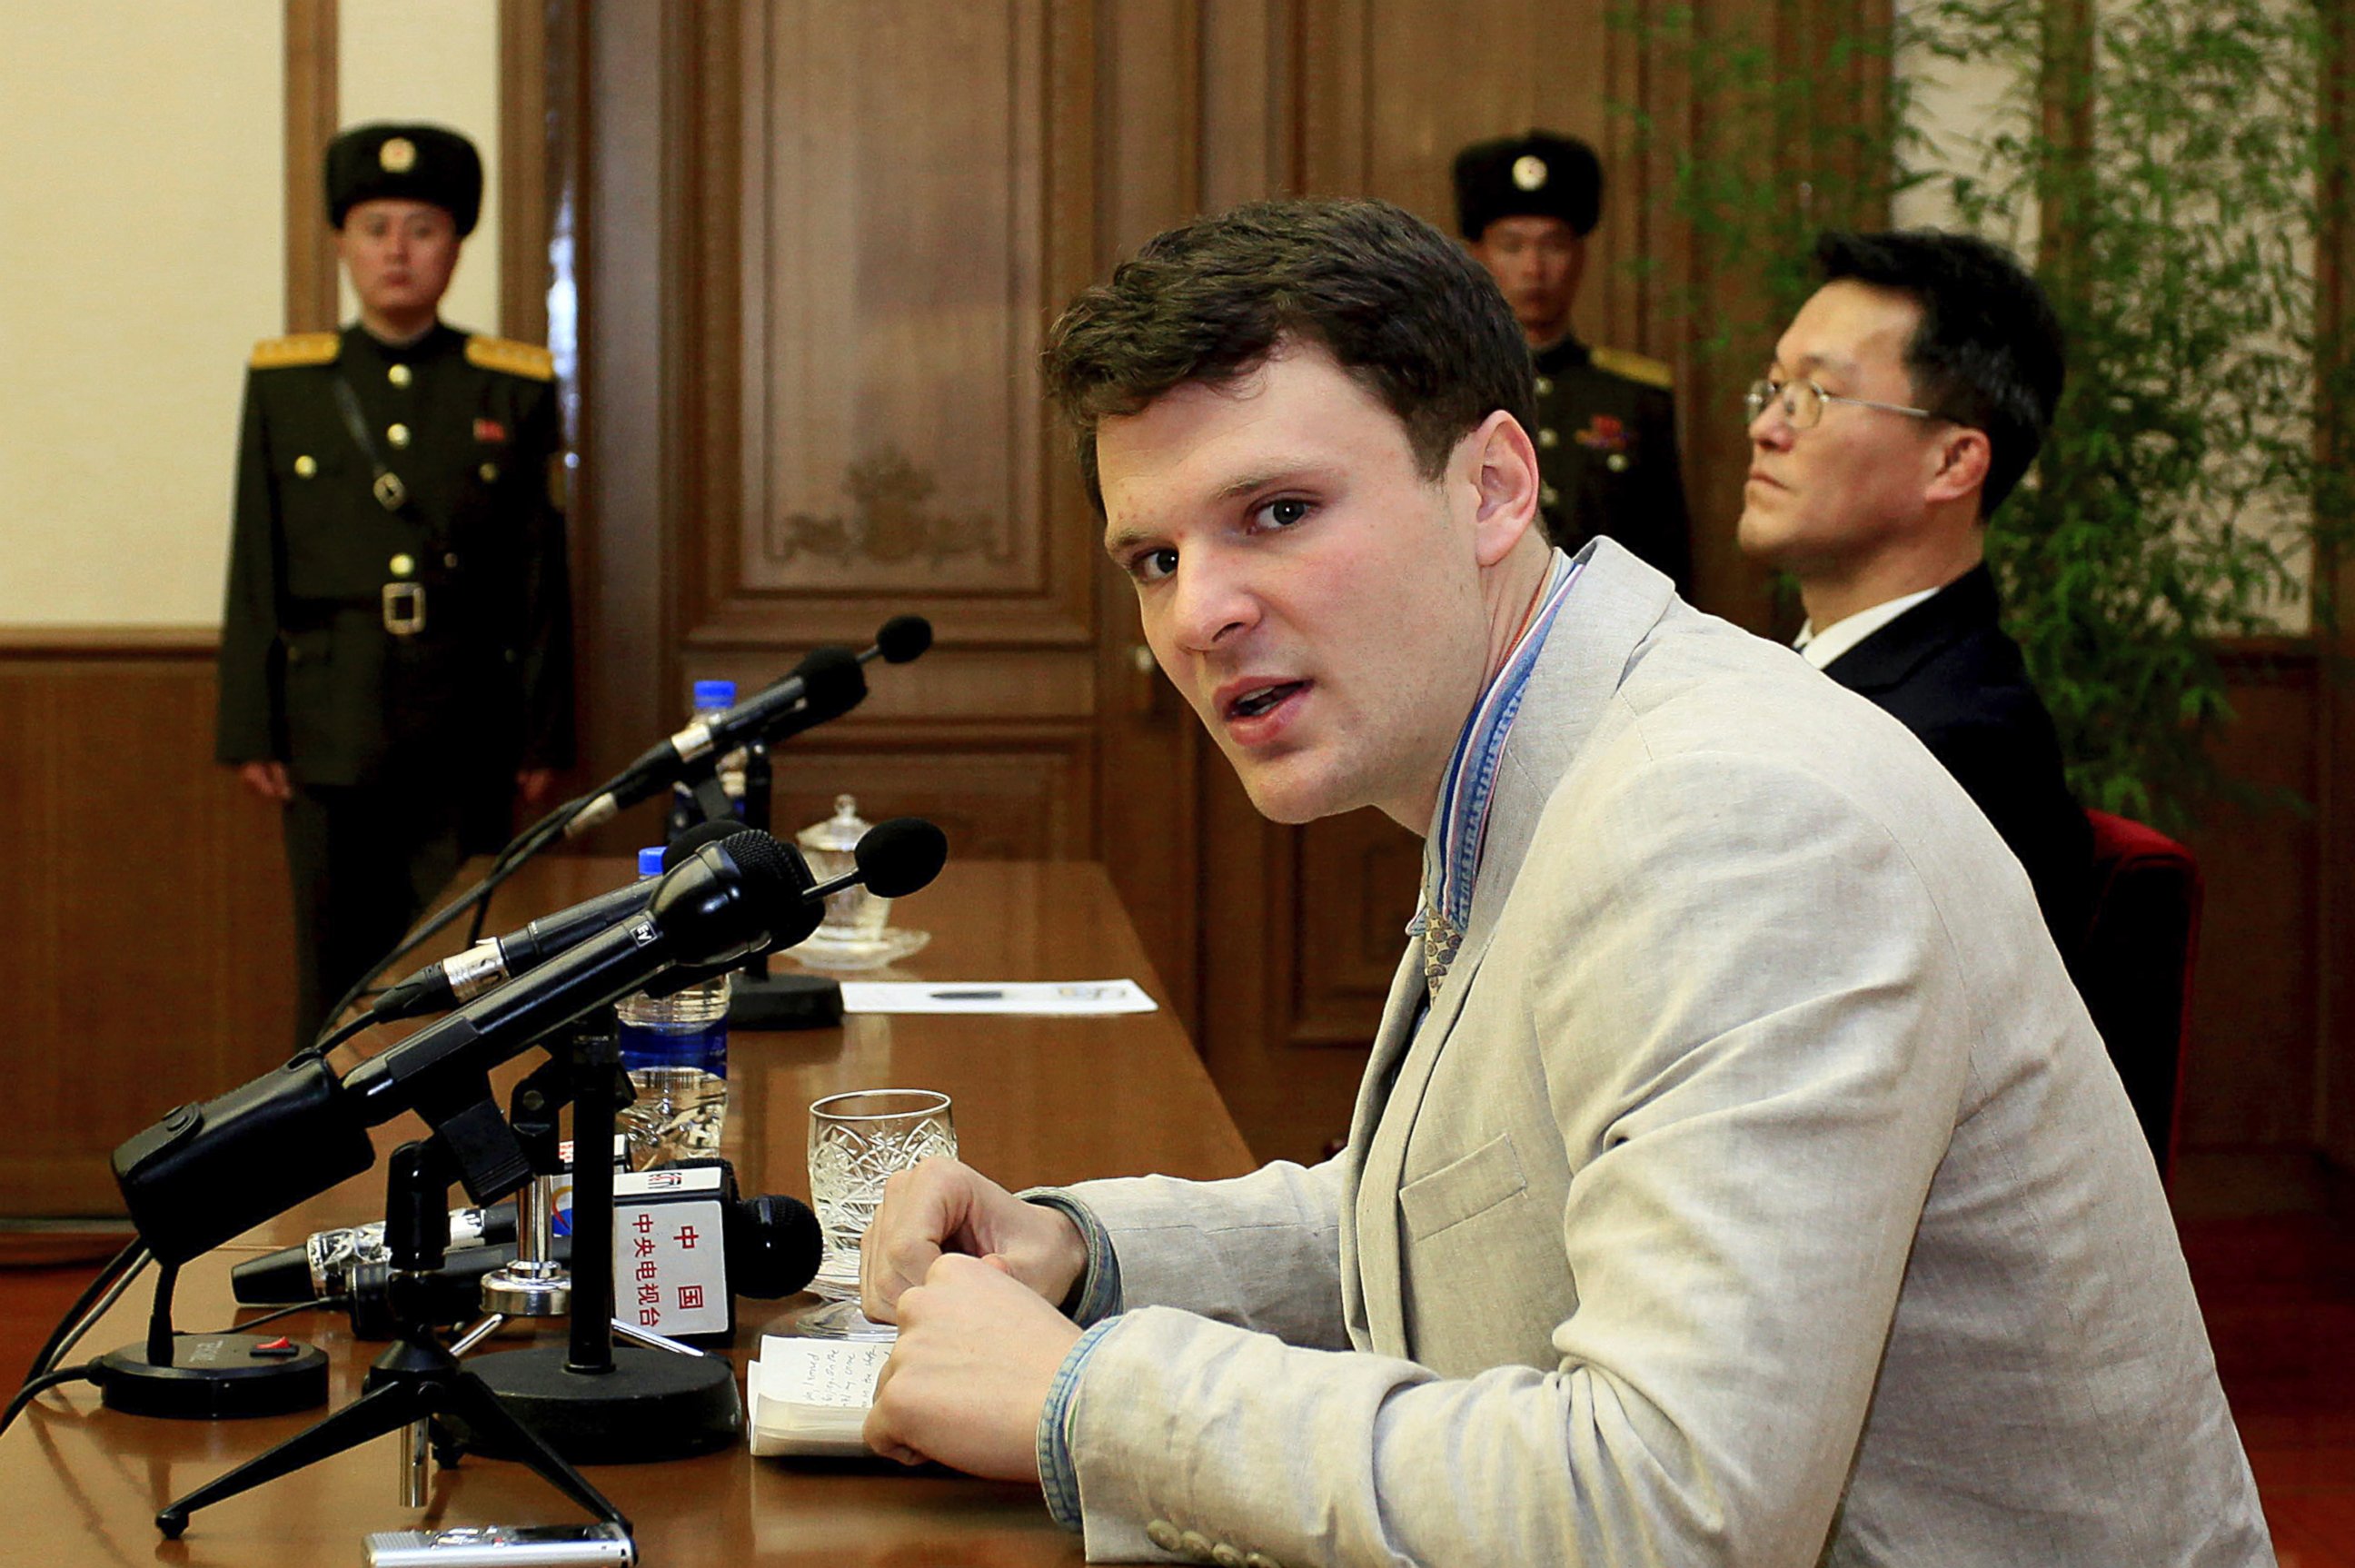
[706, 800]
[675, 1049]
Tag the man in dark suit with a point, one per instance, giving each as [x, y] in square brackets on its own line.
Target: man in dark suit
[1904, 402]
[1606, 431]
[396, 648]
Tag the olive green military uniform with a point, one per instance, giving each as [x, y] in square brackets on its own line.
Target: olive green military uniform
[1606, 441]
[404, 660]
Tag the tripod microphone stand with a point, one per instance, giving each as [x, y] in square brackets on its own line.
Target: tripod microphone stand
[415, 1380]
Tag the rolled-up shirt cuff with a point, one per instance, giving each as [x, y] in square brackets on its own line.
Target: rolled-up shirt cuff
[1097, 1296]
[1058, 1479]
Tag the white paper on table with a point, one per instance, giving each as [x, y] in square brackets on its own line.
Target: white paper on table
[1041, 998]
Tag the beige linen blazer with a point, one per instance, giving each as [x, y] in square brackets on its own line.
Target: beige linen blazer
[1755, 1191]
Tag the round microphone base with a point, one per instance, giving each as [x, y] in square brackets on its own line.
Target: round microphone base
[653, 1406]
[215, 1377]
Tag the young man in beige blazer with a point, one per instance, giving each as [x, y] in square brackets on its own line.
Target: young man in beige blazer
[1736, 1178]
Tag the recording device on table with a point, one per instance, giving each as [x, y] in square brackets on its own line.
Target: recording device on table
[205, 1173]
[501, 1546]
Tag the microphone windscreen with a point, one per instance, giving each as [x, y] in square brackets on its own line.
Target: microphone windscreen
[774, 873]
[774, 1246]
[832, 682]
[696, 836]
[902, 637]
[898, 857]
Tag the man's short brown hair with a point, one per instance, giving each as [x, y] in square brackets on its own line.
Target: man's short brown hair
[1399, 305]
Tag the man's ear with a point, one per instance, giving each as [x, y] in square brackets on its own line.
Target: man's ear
[1506, 473]
[1963, 458]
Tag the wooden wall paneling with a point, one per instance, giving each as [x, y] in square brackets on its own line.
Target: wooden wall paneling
[149, 959]
[2335, 578]
[1288, 1100]
[2249, 1076]
[625, 379]
[2334, 878]
[1335, 132]
[526, 160]
[311, 113]
[1146, 84]
[1356, 881]
[1000, 792]
[1148, 162]
[893, 261]
[1679, 271]
[1249, 100]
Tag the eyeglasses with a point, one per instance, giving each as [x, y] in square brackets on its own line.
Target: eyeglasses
[1803, 403]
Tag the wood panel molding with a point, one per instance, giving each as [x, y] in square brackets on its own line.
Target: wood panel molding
[1007, 795]
[29, 643]
[311, 113]
[873, 266]
[526, 159]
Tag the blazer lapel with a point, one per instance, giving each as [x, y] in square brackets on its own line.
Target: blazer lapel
[1371, 1256]
[1616, 603]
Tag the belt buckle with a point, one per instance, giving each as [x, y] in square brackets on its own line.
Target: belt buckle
[404, 608]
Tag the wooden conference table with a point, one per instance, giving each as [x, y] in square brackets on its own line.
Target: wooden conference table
[1036, 1100]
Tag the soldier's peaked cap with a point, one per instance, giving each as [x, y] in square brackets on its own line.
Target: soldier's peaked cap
[414, 162]
[1540, 174]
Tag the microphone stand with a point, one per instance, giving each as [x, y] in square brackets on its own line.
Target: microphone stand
[415, 1382]
[757, 998]
[208, 1377]
[535, 1284]
[584, 1399]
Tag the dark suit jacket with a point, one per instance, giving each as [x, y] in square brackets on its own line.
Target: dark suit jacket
[1945, 669]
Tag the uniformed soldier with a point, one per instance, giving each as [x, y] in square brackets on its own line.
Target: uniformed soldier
[1606, 430]
[395, 661]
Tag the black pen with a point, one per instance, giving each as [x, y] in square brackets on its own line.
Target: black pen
[968, 995]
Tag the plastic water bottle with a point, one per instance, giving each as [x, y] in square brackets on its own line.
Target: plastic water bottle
[675, 1049]
[711, 699]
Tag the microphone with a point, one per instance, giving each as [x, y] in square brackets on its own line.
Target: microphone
[893, 859]
[770, 1247]
[325, 1263]
[204, 1173]
[439, 986]
[826, 685]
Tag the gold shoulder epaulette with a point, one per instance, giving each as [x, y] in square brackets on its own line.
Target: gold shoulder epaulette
[525, 359]
[1634, 366]
[297, 348]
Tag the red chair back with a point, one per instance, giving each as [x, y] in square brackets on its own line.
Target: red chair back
[2134, 969]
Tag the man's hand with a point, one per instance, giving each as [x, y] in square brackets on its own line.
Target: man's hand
[943, 1206]
[534, 785]
[266, 779]
[965, 1384]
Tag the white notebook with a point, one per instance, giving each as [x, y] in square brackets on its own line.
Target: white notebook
[810, 1396]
